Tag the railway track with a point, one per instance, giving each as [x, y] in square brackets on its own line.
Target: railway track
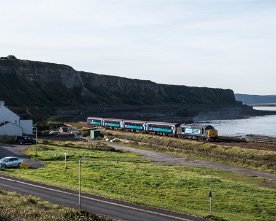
[261, 139]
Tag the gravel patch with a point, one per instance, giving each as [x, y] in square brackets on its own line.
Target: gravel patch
[18, 151]
[167, 159]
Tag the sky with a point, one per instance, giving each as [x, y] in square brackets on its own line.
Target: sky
[206, 43]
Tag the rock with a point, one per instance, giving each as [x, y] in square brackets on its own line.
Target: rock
[34, 83]
[11, 57]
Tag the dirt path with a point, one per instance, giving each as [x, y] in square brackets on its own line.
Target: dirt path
[167, 159]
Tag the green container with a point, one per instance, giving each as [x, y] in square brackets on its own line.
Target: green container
[95, 134]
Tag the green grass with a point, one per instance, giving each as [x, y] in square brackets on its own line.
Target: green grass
[130, 177]
[28, 208]
[263, 160]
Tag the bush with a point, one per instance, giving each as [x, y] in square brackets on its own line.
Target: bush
[31, 201]
[82, 215]
[104, 147]
[214, 218]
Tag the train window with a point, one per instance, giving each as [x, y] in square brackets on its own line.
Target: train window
[196, 131]
[133, 124]
[160, 126]
[112, 122]
[188, 130]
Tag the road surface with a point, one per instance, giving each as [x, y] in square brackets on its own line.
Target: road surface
[9, 150]
[14, 150]
[96, 204]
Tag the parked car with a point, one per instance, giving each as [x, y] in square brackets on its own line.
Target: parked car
[25, 140]
[10, 162]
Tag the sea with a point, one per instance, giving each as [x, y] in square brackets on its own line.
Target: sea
[264, 125]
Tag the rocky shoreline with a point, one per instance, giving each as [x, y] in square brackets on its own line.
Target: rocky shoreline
[171, 113]
[185, 114]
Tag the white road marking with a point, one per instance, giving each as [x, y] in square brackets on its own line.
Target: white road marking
[98, 200]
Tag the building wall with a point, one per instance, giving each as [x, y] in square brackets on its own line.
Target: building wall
[27, 126]
[8, 115]
[10, 129]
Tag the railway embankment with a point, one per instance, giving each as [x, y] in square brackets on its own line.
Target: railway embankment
[257, 156]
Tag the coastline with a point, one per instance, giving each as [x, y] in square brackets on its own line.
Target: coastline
[169, 113]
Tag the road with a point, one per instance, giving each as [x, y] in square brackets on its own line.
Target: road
[7, 150]
[18, 151]
[96, 204]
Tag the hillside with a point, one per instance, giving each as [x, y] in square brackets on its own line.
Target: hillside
[33, 83]
[256, 99]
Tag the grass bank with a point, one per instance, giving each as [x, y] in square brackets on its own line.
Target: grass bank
[28, 208]
[129, 177]
[263, 160]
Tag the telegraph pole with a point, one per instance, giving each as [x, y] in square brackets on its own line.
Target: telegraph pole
[35, 140]
[80, 184]
[210, 196]
[65, 158]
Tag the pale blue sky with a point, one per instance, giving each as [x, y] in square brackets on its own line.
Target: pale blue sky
[213, 43]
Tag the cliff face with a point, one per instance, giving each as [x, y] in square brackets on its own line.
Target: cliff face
[32, 83]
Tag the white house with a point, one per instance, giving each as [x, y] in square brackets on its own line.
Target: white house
[10, 129]
[27, 126]
[11, 124]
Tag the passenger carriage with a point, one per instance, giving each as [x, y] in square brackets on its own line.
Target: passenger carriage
[95, 121]
[134, 125]
[110, 123]
[162, 128]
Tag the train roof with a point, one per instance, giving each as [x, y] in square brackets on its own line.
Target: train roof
[163, 123]
[135, 121]
[95, 118]
[200, 126]
[112, 119]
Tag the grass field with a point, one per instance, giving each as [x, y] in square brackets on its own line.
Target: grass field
[129, 177]
[28, 208]
[263, 160]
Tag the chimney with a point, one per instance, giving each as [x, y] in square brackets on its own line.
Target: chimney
[2, 103]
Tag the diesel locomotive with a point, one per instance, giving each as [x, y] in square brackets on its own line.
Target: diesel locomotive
[192, 131]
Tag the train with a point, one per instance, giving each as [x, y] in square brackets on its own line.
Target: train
[192, 131]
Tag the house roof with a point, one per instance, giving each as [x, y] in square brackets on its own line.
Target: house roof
[3, 123]
[6, 108]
